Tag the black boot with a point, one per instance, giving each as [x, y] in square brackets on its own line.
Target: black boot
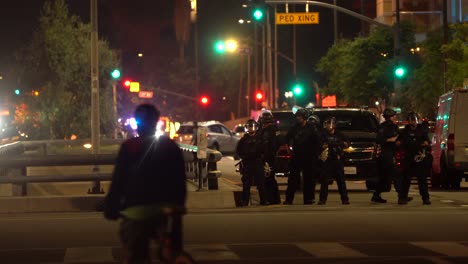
[377, 199]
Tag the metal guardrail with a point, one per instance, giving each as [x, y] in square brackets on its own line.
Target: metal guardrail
[15, 159]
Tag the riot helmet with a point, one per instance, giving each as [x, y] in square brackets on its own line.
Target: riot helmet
[388, 112]
[330, 123]
[412, 117]
[266, 118]
[146, 116]
[302, 113]
[314, 120]
[251, 126]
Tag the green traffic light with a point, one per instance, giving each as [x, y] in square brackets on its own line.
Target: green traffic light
[400, 72]
[17, 91]
[297, 90]
[115, 74]
[258, 14]
[220, 46]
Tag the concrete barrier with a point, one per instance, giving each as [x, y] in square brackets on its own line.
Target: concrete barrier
[223, 198]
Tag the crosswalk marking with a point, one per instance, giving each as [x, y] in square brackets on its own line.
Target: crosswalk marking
[330, 250]
[88, 255]
[450, 249]
[215, 252]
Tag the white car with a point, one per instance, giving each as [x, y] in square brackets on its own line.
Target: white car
[219, 136]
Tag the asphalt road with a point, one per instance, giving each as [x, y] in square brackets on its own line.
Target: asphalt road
[361, 233]
[358, 233]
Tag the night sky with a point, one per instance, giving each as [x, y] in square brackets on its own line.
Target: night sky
[146, 26]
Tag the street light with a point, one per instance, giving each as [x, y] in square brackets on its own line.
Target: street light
[231, 45]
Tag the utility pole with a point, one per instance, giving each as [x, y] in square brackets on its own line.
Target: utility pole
[95, 122]
[275, 86]
[335, 23]
[269, 61]
[397, 44]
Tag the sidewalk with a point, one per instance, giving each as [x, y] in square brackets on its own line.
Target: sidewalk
[73, 197]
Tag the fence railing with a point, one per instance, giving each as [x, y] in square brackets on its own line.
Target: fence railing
[16, 157]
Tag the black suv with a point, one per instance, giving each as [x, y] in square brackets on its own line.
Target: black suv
[358, 125]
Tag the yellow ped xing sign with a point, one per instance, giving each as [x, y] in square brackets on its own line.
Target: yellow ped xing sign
[134, 87]
[297, 18]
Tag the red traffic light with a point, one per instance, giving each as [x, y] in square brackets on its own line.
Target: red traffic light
[258, 96]
[204, 100]
[127, 83]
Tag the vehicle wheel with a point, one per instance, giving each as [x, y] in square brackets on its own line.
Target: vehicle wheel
[444, 180]
[435, 180]
[450, 179]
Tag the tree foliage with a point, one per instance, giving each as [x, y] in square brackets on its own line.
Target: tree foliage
[57, 64]
[358, 73]
[457, 55]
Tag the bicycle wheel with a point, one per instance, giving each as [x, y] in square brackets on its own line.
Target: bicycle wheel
[183, 258]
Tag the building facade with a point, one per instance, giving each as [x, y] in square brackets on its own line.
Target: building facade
[426, 15]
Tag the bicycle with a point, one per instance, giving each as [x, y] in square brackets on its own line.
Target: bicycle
[164, 235]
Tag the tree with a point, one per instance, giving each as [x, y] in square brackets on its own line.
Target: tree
[457, 55]
[57, 63]
[360, 71]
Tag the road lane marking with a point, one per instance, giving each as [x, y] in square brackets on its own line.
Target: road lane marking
[88, 255]
[211, 252]
[447, 201]
[330, 250]
[450, 249]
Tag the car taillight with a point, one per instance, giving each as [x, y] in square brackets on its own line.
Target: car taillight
[451, 144]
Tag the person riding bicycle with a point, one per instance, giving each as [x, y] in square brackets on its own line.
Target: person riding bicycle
[149, 175]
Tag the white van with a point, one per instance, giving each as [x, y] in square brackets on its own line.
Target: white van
[450, 140]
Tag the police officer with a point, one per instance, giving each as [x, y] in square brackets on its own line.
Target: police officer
[333, 143]
[415, 143]
[305, 145]
[249, 149]
[387, 138]
[269, 134]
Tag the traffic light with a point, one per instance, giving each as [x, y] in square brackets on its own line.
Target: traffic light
[297, 89]
[36, 93]
[400, 71]
[257, 13]
[204, 100]
[115, 74]
[127, 83]
[229, 45]
[220, 46]
[259, 96]
[17, 91]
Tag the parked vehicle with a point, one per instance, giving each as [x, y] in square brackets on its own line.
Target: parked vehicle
[239, 130]
[219, 136]
[450, 140]
[358, 125]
